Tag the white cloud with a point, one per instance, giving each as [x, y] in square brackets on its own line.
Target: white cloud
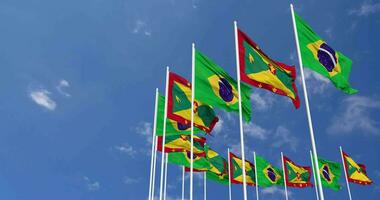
[130, 180]
[329, 32]
[356, 115]
[366, 8]
[141, 27]
[91, 185]
[315, 82]
[274, 190]
[255, 131]
[41, 97]
[60, 87]
[283, 137]
[262, 101]
[218, 127]
[145, 129]
[126, 149]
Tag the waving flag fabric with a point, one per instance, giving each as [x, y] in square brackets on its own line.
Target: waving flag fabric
[330, 173]
[172, 127]
[318, 56]
[236, 172]
[295, 175]
[179, 105]
[268, 175]
[219, 167]
[217, 88]
[200, 162]
[182, 143]
[259, 70]
[356, 173]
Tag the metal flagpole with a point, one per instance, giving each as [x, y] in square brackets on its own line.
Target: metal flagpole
[204, 186]
[154, 167]
[192, 118]
[345, 173]
[307, 103]
[240, 112]
[183, 183]
[256, 179]
[164, 133]
[313, 170]
[153, 145]
[229, 176]
[284, 174]
[166, 174]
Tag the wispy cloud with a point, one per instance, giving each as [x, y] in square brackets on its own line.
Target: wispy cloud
[130, 180]
[274, 190]
[329, 32]
[141, 27]
[145, 129]
[41, 97]
[255, 131]
[263, 101]
[61, 86]
[365, 9]
[126, 149]
[283, 137]
[218, 127]
[91, 185]
[356, 115]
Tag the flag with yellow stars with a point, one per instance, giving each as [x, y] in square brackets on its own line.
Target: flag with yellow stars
[296, 175]
[356, 173]
[182, 143]
[236, 171]
[259, 70]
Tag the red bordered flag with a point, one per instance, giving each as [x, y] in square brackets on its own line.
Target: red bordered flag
[296, 175]
[182, 143]
[356, 173]
[236, 171]
[259, 70]
[179, 105]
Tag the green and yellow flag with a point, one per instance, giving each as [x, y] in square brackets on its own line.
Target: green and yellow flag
[217, 88]
[182, 143]
[179, 105]
[236, 172]
[268, 175]
[296, 175]
[356, 173]
[259, 70]
[318, 56]
[200, 163]
[172, 127]
[218, 171]
[330, 173]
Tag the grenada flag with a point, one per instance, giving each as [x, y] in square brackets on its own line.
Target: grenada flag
[356, 173]
[179, 105]
[259, 70]
[296, 175]
[182, 143]
[236, 172]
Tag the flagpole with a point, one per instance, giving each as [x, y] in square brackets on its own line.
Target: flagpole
[154, 167]
[240, 112]
[166, 174]
[284, 174]
[204, 186]
[307, 103]
[192, 118]
[315, 180]
[345, 173]
[256, 179]
[164, 132]
[229, 176]
[153, 145]
[183, 183]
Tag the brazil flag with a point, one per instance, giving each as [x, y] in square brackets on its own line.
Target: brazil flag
[268, 175]
[182, 143]
[295, 175]
[172, 127]
[179, 105]
[218, 171]
[318, 56]
[217, 88]
[356, 173]
[236, 172]
[259, 70]
[330, 173]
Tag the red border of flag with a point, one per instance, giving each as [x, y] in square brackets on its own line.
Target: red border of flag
[290, 184]
[363, 167]
[231, 173]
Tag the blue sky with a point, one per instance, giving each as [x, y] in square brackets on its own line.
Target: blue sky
[78, 81]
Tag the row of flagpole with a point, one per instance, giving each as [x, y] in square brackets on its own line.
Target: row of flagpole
[313, 153]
